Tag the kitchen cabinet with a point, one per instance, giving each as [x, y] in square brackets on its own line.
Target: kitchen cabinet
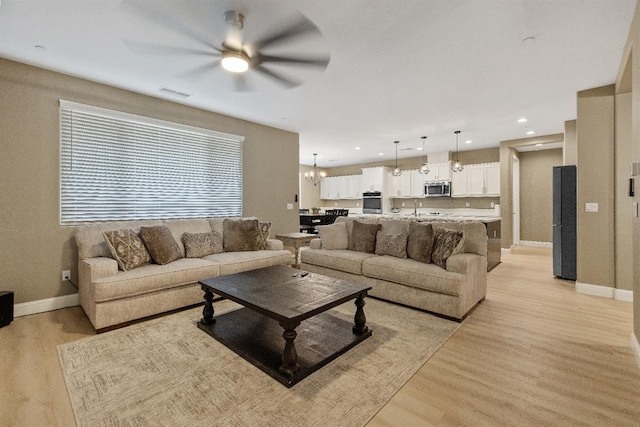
[408, 185]
[341, 187]
[477, 180]
[376, 179]
[439, 172]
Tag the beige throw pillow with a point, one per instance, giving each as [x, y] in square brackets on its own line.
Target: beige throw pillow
[197, 245]
[161, 244]
[391, 244]
[264, 228]
[127, 249]
[334, 236]
[363, 237]
[240, 235]
[446, 243]
[420, 242]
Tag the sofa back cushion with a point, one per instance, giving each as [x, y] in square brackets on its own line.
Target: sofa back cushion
[475, 235]
[90, 238]
[197, 245]
[180, 226]
[334, 236]
[391, 244]
[420, 241]
[394, 226]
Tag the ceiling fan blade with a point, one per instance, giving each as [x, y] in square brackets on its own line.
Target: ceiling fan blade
[300, 28]
[141, 48]
[315, 62]
[285, 81]
[150, 12]
[200, 71]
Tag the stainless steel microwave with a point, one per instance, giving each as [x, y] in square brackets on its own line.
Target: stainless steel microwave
[437, 189]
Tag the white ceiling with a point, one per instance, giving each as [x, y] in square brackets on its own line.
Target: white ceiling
[398, 70]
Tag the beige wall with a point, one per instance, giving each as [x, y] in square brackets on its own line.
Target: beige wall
[570, 148]
[628, 81]
[34, 248]
[536, 201]
[595, 133]
[623, 203]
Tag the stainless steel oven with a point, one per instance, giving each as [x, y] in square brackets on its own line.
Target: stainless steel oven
[372, 202]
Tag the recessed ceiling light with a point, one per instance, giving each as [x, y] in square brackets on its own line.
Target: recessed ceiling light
[522, 120]
[380, 154]
[468, 141]
[357, 148]
[419, 148]
[530, 132]
[539, 145]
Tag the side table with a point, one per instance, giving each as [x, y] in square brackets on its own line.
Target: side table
[296, 241]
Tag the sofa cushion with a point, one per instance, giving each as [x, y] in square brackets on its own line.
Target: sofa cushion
[160, 243]
[240, 235]
[90, 238]
[333, 236]
[420, 242]
[475, 235]
[394, 226]
[263, 235]
[412, 273]
[152, 277]
[391, 244]
[363, 237]
[198, 245]
[192, 225]
[342, 260]
[236, 262]
[127, 248]
[446, 242]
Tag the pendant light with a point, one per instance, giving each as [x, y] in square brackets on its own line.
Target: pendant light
[424, 168]
[314, 177]
[396, 171]
[457, 166]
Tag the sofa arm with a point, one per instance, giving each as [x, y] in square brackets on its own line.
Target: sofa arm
[91, 269]
[274, 245]
[315, 244]
[465, 263]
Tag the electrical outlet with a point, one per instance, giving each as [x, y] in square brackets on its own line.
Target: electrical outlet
[66, 275]
[335, 204]
[403, 204]
[493, 204]
[467, 204]
[289, 206]
[420, 204]
[358, 204]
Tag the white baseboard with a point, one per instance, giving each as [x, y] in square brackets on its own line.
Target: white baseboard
[604, 291]
[43, 305]
[538, 244]
[623, 295]
[505, 250]
[635, 346]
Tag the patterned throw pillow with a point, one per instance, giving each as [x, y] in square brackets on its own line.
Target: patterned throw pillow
[363, 237]
[445, 243]
[240, 235]
[334, 236]
[264, 228]
[127, 248]
[198, 245]
[391, 244]
[420, 242]
[161, 244]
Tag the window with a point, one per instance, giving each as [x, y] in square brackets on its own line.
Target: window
[118, 166]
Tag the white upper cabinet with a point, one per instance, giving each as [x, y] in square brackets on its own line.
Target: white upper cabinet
[376, 179]
[408, 185]
[341, 187]
[479, 180]
[354, 186]
[417, 184]
[439, 172]
[325, 188]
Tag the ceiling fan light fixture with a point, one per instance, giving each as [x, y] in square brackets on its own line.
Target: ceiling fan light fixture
[235, 61]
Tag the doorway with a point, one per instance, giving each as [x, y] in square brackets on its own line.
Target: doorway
[516, 199]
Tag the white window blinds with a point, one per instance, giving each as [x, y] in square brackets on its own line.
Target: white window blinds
[118, 166]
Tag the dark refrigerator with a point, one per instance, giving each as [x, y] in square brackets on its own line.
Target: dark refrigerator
[564, 222]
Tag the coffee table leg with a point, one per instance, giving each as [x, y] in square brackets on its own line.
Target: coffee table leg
[207, 311]
[289, 355]
[360, 319]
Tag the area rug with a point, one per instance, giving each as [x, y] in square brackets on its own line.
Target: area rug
[168, 372]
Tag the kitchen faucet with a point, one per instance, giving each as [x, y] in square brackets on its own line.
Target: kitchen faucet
[415, 208]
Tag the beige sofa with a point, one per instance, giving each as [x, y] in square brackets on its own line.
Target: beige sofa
[450, 292]
[110, 296]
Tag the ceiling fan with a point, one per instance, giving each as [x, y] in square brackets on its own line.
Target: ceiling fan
[236, 55]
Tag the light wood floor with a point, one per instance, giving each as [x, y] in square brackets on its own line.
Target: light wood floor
[533, 353]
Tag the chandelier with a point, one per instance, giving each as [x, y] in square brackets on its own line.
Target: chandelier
[457, 166]
[424, 168]
[396, 171]
[314, 177]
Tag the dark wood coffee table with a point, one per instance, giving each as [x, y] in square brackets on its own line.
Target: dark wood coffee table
[282, 302]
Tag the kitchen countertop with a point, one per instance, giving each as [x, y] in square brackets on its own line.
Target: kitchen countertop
[482, 215]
